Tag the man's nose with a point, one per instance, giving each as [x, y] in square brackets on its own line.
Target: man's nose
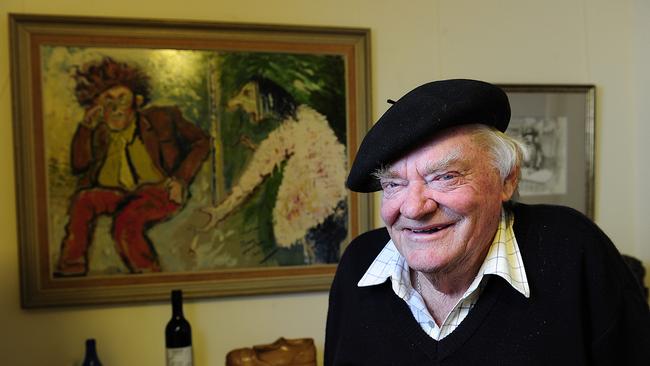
[417, 202]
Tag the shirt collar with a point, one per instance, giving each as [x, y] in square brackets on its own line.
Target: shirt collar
[503, 260]
[388, 264]
[504, 257]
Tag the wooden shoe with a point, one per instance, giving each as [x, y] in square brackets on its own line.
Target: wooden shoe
[282, 352]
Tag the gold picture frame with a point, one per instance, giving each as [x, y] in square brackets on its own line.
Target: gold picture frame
[214, 243]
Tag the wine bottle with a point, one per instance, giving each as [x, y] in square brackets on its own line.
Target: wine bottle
[178, 334]
[91, 358]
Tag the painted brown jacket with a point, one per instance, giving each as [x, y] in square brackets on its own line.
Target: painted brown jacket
[176, 146]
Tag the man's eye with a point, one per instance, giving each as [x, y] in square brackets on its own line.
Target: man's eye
[446, 177]
[388, 185]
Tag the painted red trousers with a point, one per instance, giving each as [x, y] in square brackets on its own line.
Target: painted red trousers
[133, 213]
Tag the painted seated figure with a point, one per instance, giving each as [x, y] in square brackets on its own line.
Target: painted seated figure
[133, 163]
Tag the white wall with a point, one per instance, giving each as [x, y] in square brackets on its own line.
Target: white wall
[514, 41]
[641, 79]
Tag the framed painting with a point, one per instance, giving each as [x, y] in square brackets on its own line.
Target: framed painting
[153, 155]
[556, 123]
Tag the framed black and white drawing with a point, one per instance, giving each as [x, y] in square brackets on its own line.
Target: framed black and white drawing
[556, 123]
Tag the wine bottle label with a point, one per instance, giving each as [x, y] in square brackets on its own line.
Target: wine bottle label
[179, 356]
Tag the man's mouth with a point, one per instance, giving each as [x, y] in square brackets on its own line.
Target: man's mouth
[430, 230]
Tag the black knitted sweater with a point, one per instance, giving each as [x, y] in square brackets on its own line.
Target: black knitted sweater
[585, 308]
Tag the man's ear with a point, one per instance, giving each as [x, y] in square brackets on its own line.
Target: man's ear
[139, 99]
[510, 184]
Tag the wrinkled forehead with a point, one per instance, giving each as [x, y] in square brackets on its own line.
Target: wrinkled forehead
[424, 165]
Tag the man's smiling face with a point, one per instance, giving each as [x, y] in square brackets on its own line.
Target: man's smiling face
[441, 203]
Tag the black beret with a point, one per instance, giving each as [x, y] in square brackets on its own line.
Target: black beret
[418, 115]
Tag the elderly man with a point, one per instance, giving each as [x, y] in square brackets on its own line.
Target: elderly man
[461, 275]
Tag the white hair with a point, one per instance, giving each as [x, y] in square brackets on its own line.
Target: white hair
[507, 153]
